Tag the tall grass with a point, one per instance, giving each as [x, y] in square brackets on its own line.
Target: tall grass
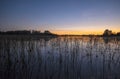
[60, 58]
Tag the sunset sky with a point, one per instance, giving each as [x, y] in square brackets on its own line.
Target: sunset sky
[60, 16]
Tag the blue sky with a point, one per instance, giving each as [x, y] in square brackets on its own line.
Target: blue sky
[60, 15]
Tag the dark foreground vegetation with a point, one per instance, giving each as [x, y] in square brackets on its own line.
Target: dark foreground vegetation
[67, 57]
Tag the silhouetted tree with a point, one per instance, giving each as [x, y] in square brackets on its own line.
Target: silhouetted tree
[118, 33]
[27, 32]
[19, 32]
[47, 32]
[107, 32]
[36, 32]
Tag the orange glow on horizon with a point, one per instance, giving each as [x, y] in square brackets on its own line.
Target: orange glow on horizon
[81, 32]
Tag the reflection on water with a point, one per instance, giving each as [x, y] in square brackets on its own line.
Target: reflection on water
[60, 58]
[109, 39]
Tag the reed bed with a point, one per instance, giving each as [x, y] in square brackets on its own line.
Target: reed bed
[60, 58]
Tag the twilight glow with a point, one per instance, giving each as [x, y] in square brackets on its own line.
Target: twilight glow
[61, 16]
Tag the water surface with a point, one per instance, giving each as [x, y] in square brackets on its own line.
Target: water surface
[60, 58]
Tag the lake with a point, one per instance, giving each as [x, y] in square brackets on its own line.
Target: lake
[64, 57]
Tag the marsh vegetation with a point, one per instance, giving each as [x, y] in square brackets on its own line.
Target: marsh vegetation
[67, 57]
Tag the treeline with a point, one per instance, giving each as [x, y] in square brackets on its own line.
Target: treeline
[108, 32]
[26, 32]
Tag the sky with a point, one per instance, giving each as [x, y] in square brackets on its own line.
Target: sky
[60, 16]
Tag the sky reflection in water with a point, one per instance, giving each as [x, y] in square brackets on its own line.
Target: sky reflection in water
[60, 58]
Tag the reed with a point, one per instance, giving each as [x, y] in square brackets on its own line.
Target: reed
[68, 57]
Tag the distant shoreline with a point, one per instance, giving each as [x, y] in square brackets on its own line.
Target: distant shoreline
[47, 33]
[15, 35]
[50, 35]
